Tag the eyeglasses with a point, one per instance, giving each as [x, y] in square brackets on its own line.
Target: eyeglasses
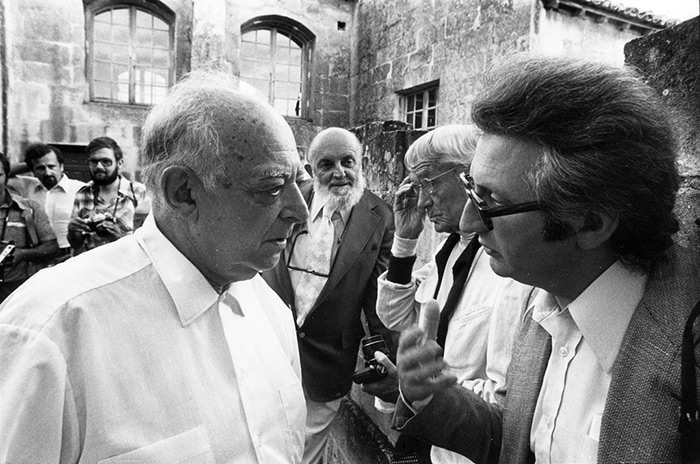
[291, 253]
[428, 185]
[486, 213]
[106, 162]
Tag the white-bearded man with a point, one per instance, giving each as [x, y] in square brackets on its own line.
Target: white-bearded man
[328, 275]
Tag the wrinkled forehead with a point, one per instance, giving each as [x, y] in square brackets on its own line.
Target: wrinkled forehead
[426, 170]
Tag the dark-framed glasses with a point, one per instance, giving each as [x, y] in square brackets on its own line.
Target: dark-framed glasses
[295, 268]
[486, 213]
[106, 162]
[428, 185]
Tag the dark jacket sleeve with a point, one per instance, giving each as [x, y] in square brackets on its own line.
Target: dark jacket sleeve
[375, 326]
[458, 420]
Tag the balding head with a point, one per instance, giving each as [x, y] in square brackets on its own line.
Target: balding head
[334, 138]
[204, 119]
[335, 156]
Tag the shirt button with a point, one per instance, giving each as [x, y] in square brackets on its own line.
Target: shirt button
[302, 335]
[549, 423]
[564, 352]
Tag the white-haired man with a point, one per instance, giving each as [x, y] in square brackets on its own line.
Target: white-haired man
[169, 347]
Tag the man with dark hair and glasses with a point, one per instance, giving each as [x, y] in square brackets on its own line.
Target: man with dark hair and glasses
[571, 191]
[328, 277]
[105, 208]
[478, 308]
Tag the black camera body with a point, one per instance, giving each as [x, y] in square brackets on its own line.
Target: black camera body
[95, 221]
[373, 370]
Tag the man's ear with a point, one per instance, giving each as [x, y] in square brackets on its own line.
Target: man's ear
[178, 185]
[595, 229]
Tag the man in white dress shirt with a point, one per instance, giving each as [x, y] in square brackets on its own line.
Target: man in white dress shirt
[166, 345]
[52, 189]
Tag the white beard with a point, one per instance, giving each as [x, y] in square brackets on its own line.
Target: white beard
[341, 198]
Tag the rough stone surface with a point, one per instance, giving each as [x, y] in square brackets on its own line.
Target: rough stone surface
[670, 63]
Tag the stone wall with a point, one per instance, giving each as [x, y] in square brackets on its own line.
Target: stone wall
[670, 61]
[402, 44]
[47, 96]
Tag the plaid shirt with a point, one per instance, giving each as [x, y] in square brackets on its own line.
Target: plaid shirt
[88, 205]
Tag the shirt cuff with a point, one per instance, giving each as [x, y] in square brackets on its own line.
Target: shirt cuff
[400, 269]
[404, 247]
[416, 406]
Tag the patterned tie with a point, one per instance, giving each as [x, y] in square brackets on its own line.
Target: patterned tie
[318, 260]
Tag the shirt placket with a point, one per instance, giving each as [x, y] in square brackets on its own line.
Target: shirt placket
[565, 339]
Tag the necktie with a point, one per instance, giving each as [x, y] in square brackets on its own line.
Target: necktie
[318, 260]
[460, 271]
[442, 256]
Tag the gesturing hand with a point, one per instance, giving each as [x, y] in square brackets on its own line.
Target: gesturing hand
[420, 366]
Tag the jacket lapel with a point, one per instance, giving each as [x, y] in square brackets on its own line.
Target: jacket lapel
[360, 228]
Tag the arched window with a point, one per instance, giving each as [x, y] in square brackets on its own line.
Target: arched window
[130, 51]
[275, 58]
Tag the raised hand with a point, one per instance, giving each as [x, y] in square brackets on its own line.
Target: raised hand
[408, 218]
[420, 366]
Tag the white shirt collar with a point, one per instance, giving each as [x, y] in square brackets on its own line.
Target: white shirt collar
[190, 291]
[602, 312]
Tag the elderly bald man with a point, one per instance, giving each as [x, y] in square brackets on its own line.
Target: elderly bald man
[169, 346]
[328, 276]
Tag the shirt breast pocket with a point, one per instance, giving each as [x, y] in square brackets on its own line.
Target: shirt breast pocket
[191, 446]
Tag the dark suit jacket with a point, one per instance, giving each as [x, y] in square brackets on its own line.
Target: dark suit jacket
[640, 419]
[330, 336]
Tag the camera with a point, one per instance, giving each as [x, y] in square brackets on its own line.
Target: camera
[373, 370]
[6, 254]
[94, 222]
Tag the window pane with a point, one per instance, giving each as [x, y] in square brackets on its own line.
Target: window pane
[432, 97]
[103, 71]
[410, 103]
[120, 16]
[419, 121]
[120, 74]
[120, 54]
[295, 74]
[144, 20]
[419, 101]
[409, 118]
[295, 54]
[262, 36]
[143, 56]
[102, 53]
[120, 34]
[161, 39]
[262, 51]
[103, 31]
[161, 59]
[144, 37]
[247, 50]
[103, 90]
[160, 25]
[262, 70]
[281, 72]
[431, 117]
